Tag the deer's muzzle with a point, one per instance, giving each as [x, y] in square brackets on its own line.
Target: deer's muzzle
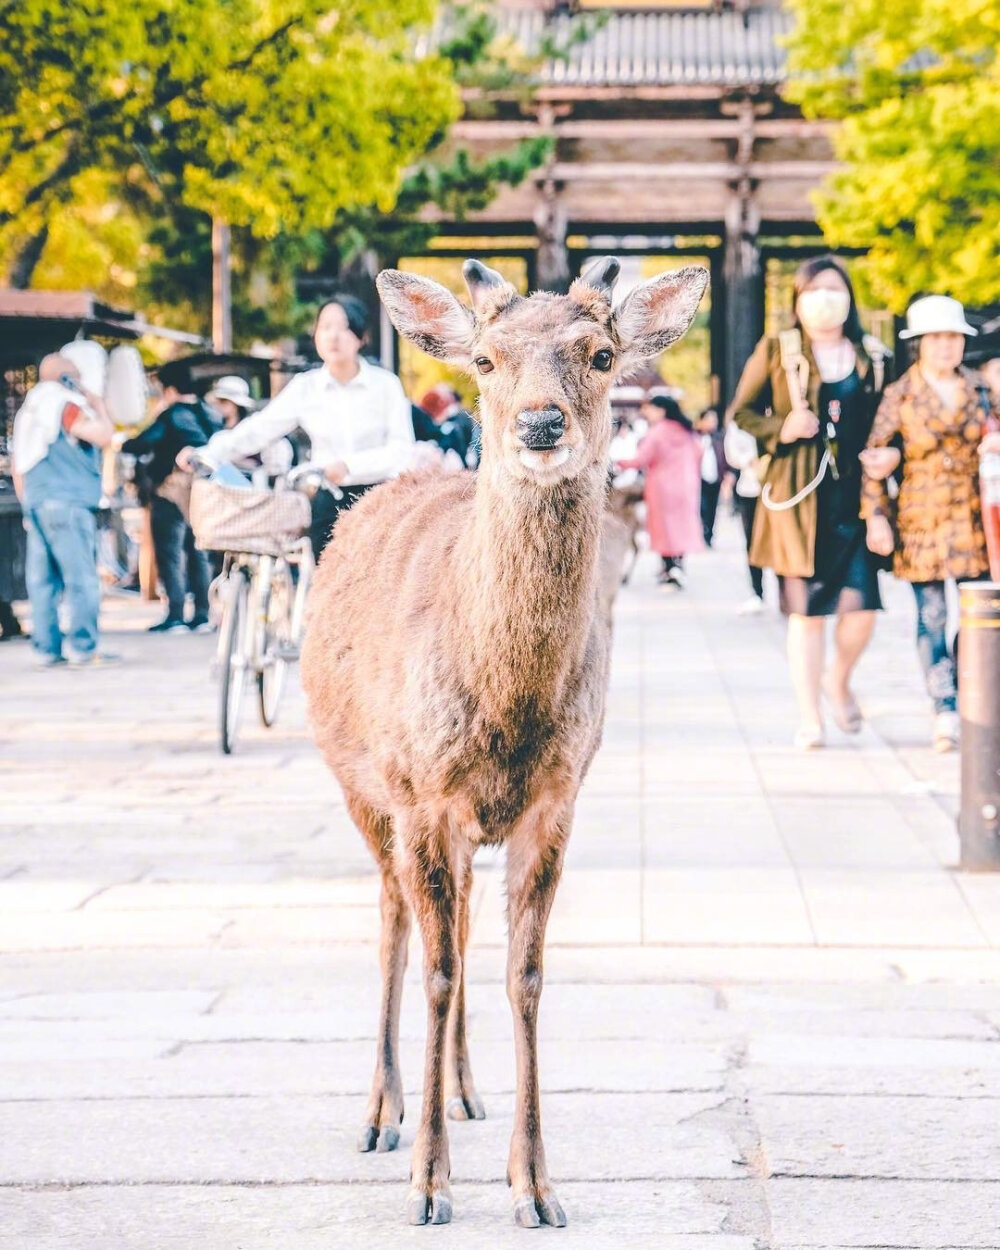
[540, 429]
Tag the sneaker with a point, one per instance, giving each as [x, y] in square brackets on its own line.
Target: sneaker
[751, 607]
[48, 660]
[201, 625]
[169, 625]
[676, 575]
[94, 659]
[947, 728]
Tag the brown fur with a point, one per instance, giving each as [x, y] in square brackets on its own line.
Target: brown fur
[455, 665]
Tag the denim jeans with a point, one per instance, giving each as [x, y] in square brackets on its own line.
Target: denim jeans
[936, 656]
[181, 565]
[62, 563]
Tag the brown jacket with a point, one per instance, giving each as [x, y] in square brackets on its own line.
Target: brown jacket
[939, 525]
[786, 541]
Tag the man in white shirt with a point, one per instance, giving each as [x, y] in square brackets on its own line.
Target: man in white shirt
[355, 414]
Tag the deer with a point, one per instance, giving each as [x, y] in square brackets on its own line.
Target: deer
[455, 666]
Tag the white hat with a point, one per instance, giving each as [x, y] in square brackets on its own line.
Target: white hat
[235, 389]
[935, 314]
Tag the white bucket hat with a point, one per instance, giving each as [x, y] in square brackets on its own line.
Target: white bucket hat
[936, 314]
[235, 389]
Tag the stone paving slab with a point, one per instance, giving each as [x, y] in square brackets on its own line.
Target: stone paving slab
[280, 1140]
[674, 1215]
[888, 1138]
[884, 1213]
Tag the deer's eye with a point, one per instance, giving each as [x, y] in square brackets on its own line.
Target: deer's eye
[484, 364]
[603, 360]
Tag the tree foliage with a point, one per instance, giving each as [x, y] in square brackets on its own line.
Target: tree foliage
[915, 85]
[272, 114]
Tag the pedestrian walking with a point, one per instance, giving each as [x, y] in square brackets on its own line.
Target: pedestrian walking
[180, 419]
[355, 414]
[670, 456]
[741, 455]
[932, 425]
[230, 397]
[714, 470]
[59, 432]
[455, 426]
[809, 397]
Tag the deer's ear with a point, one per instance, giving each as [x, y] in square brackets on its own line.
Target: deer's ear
[428, 315]
[657, 313]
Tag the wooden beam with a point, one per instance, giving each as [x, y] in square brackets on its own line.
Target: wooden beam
[473, 130]
[625, 172]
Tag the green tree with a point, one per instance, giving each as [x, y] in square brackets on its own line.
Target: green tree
[271, 114]
[915, 85]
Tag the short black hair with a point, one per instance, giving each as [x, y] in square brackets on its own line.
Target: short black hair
[816, 265]
[352, 308]
[176, 373]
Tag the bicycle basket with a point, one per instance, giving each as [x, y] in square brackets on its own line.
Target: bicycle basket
[230, 518]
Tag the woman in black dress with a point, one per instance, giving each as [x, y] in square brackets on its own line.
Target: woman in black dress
[814, 425]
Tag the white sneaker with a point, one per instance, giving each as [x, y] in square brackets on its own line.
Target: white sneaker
[751, 607]
[947, 728]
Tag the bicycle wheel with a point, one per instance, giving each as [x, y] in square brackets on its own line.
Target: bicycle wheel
[277, 614]
[234, 660]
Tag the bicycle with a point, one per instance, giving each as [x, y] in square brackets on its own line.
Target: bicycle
[263, 594]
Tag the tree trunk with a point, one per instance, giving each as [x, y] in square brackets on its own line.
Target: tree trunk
[27, 260]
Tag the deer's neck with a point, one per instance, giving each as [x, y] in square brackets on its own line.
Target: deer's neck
[532, 561]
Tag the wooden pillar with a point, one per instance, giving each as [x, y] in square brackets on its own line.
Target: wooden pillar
[743, 283]
[222, 303]
[552, 263]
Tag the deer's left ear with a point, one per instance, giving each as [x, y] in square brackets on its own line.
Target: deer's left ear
[658, 313]
[428, 315]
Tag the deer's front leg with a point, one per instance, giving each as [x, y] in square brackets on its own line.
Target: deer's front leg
[534, 865]
[426, 869]
[384, 1113]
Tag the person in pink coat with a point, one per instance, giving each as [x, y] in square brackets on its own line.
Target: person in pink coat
[670, 456]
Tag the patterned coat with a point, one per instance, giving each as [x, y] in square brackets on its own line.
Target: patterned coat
[939, 521]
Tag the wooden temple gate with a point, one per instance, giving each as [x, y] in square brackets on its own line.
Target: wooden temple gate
[669, 137]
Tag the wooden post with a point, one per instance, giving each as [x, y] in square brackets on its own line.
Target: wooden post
[222, 306]
[742, 276]
[552, 265]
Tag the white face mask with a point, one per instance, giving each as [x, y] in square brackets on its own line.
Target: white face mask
[823, 309]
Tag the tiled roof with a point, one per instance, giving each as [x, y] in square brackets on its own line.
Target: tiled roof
[57, 305]
[672, 47]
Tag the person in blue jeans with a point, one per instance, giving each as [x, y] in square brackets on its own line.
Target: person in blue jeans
[58, 434]
[181, 419]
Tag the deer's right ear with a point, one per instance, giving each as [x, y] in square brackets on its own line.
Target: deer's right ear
[428, 315]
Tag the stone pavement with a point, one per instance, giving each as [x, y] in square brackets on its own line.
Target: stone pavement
[772, 1006]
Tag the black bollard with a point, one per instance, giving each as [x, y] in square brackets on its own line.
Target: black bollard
[979, 706]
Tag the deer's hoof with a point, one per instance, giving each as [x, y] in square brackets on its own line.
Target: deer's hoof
[374, 1138]
[466, 1107]
[534, 1210]
[432, 1208]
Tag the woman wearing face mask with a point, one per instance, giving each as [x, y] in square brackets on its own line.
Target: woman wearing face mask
[939, 415]
[813, 419]
[355, 414]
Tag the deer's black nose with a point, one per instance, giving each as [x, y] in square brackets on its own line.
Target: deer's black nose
[540, 428]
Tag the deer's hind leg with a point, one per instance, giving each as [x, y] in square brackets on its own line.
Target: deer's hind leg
[461, 1100]
[384, 1112]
